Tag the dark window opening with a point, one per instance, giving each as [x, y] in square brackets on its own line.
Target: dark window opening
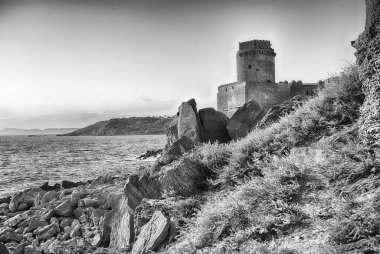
[226, 89]
[233, 88]
[249, 66]
[307, 93]
[268, 81]
[257, 69]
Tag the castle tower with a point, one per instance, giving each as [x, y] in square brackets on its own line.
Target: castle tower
[255, 62]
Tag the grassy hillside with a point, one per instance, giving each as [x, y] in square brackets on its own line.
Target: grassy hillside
[125, 126]
[303, 185]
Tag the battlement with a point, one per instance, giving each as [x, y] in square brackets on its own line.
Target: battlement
[255, 44]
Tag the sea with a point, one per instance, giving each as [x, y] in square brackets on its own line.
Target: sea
[30, 161]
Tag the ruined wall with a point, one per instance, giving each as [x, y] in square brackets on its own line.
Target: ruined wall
[230, 97]
[368, 59]
[304, 90]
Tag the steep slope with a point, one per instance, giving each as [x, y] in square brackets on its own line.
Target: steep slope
[125, 126]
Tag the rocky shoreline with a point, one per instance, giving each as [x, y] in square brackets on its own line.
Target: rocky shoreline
[128, 214]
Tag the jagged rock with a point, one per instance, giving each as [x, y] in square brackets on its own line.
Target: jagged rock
[26, 197]
[78, 193]
[214, 126]
[89, 202]
[49, 196]
[23, 207]
[5, 200]
[32, 250]
[34, 224]
[65, 192]
[35, 243]
[96, 241]
[144, 212]
[117, 229]
[11, 222]
[278, 111]
[3, 249]
[47, 215]
[152, 234]
[66, 222]
[368, 60]
[69, 184]
[67, 207]
[185, 177]
[178, 148]
[76, 231]
[149, 154]
[78, 212]
[47, 232]
[245, 119]
[4, 207]
[9, 235]
[20, 249]
[188, 121]
[47, 187]
[137, 188]
[172, 133]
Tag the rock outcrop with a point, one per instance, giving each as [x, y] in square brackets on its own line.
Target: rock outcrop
[214, 126]
[188, 121]
[245, 119]
[138, 188]
[185, 177]
[172, 153]
[118, 225]
[278, 111]
[368, 60]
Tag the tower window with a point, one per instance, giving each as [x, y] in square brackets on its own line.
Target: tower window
[249, 66]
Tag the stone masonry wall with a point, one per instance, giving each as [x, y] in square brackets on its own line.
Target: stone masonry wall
[230, 97]
[368, 59]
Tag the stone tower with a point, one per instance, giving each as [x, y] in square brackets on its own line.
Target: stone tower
[255, 62]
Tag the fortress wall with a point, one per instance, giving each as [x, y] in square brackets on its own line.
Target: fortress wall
[304, 90]
[265, 94]
[230, 97]
[256, 66]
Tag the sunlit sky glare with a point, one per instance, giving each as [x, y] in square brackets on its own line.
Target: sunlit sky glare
[145, 57]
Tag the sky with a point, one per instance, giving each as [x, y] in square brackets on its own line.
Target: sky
[144, 57]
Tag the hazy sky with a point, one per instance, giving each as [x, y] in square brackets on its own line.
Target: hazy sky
[145, 57]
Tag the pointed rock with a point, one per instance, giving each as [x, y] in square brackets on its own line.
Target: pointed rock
[152, 234]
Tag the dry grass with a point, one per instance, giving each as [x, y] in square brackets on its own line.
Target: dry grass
[285, 190]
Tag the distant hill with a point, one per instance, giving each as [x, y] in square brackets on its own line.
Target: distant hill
[125, 126]
[49, 131]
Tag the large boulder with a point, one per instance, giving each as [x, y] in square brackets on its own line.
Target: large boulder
[152, 234]
[118, 229]
[368, 60]
[25, 197]
[137, 188]
[245, 119]
[185, 177]
[67, 207]
[276, 112]
[214, 126]
[188, 121]
[172, 133]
